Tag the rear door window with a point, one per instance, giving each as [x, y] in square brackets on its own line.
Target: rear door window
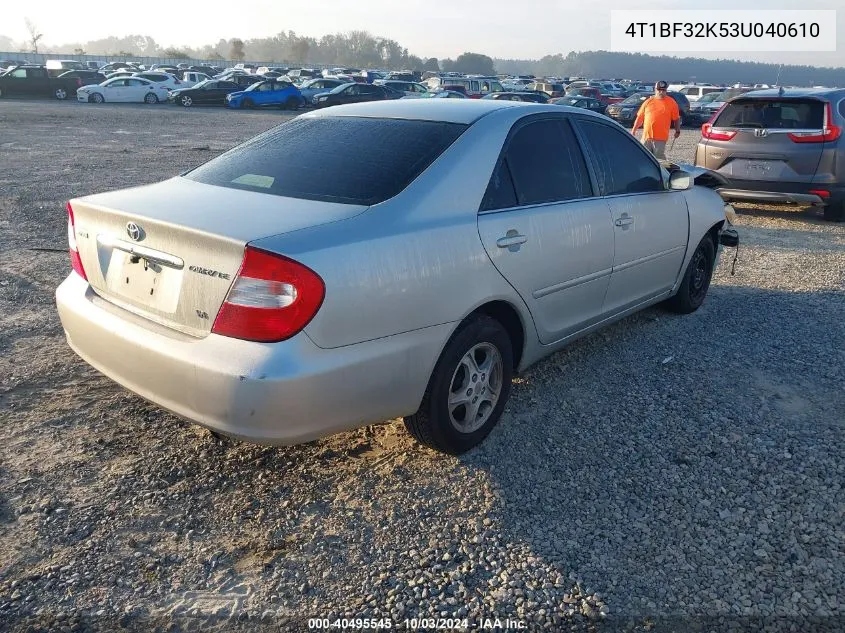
[788, 114]
[620, 162]
[546, 164]
[500, 193]
[351, 160]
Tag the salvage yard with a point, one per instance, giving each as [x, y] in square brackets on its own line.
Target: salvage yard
[679, 467]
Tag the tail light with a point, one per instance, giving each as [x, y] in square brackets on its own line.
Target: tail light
[75, 260]
[271, 299]
[821, 193]
[830, 131]
[710, 134]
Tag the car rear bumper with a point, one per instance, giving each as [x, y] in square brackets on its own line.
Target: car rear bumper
[779, 192]
[280, 393]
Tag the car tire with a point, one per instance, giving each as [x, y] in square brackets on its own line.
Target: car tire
[835, 212]
[292, 103]
[61, 94]
[150, 97]
[96, 98]
[186, 101]
[696, 280]
[248, 104]
[476, 362]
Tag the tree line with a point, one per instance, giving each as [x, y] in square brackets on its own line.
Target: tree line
[364, 50]
[639, 66]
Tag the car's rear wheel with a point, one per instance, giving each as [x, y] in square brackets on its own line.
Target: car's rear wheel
[292, 103]
[467, 390]
[150, 97]
[696, 280]
[835, 212]
[61, 94]
[96, 98]
[186, 101]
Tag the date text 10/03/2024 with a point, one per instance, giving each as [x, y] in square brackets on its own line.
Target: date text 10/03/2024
[415, 624]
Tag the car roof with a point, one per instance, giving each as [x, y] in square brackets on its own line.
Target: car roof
[465, 111]
[794, 92]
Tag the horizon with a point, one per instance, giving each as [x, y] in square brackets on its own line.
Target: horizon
[491, 27]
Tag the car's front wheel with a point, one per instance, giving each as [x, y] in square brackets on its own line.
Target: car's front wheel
[696, 280]
[248, 104]
[467, 390]
[96, 98]
[186, 101]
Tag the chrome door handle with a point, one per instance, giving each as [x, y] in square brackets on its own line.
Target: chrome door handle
[625, 220]
[511, 240]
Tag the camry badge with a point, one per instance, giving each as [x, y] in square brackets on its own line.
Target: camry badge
[134, 231]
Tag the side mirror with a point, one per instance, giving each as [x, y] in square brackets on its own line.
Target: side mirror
[680, 180]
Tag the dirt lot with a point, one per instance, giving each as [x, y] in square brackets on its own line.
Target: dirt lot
[683, 471]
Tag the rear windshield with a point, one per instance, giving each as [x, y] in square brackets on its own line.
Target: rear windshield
[773, 113]
[351, 160]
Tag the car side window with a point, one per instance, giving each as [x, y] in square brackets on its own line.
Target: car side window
[353, 90]
[546, 163]
[500, 193]
[20, 72]
[135, 83]
[621, 164]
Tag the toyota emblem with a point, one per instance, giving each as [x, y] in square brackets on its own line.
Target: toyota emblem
[134, 231]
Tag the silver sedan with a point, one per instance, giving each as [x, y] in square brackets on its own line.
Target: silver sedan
[377, 260]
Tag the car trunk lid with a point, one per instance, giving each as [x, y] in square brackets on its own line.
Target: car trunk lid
[170, 251]
[754, 139]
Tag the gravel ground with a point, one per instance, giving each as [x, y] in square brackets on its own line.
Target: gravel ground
[668, 473]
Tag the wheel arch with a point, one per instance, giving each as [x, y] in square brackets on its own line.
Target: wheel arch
[508, 316]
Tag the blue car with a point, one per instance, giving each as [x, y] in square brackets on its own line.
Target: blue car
[270, 92]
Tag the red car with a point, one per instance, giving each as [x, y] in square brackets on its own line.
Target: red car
[595, 93]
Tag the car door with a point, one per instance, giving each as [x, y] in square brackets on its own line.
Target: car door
[39, 81]
[650, 222]
[351, 95]
[261, 95]
[136, 89]
[208, 93]
[115, 91]
[16, 83]
[372, 93]
[545, 230]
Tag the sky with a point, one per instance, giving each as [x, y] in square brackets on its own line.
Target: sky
[527, 29]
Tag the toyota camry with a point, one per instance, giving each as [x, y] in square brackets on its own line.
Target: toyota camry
[379, 260]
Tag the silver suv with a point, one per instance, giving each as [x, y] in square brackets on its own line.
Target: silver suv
[782, 146]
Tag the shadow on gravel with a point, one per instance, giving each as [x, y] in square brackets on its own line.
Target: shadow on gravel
[687, 464]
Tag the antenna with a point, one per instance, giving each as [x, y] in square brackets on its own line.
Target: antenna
[777, 80]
